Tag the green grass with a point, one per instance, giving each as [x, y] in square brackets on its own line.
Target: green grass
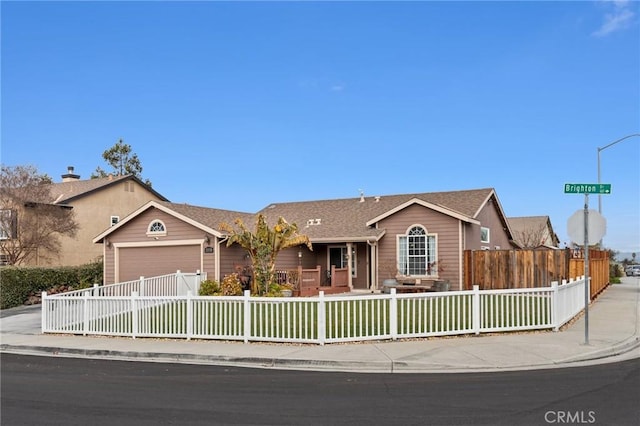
[344, 318]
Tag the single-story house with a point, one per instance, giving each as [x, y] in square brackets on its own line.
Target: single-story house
[415, 238]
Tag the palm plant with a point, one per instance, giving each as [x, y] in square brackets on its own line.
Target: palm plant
[263, 246]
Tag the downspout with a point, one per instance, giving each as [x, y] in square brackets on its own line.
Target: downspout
[217, 256]
[461, 235]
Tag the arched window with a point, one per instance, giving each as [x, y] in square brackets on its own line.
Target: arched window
[156, 228]
[417, 252]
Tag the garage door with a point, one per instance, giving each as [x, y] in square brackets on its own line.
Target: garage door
[136, 262]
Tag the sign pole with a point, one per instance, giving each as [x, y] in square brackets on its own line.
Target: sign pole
[587, 286]
[578, 231]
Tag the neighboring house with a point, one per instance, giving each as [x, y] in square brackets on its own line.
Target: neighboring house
[97, 204]
[534, 232]
[414, 237]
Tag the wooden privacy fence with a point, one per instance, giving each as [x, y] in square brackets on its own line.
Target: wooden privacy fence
[503, 269]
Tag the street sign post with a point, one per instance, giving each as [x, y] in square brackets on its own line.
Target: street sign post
[586, 189]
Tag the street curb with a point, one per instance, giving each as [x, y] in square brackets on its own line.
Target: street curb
[389, 366]
[251, 362]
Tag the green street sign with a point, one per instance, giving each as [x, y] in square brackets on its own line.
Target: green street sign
[587, 188]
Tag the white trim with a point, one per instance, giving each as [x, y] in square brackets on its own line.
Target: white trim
[349, 247]
[488, 239]
[151, 233]
[422, 203]
[504, 218]
[332, 240]
[426, 236]
[158, 243]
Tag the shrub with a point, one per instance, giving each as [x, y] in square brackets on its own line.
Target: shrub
[231, 285]
[209, 288]
[18, 283]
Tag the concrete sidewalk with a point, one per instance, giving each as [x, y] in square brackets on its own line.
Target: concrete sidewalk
[614, 333]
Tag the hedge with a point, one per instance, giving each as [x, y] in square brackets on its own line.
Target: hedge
[17, 283]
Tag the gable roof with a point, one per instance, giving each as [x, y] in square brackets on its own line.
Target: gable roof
[65, 192]
[521, 226]
[337, 220]
[354, 219]
[205, 218]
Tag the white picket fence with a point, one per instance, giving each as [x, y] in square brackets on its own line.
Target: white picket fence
[318, 319]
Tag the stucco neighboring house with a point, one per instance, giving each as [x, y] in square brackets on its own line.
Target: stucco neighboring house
[412, 237]
[97, 204]
[534, 232]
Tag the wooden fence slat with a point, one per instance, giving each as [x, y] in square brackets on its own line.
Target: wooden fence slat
[508, 269]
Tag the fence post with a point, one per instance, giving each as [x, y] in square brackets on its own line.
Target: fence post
[198, 280]
[95, 290]
[142, 285]
[189, 314]
[85, 313]
[247, 316]
[45, 309]
[476, 309]
[322, 314]
[555, 305]
[393, 314]
[134, 314]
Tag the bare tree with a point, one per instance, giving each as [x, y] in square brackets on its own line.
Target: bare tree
[123, 161]
[532, 236]
[30, 223]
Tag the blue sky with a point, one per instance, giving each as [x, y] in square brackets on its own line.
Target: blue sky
[236, 105]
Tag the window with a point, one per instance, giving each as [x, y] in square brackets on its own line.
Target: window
[417, 252]
[485, 235]
[338, 256]
[8, 224]
[115, 220]
[156, 228]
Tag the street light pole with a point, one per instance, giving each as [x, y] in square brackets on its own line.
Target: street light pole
[602, 149]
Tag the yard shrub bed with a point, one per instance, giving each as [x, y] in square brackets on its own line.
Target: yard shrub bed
[20, 285]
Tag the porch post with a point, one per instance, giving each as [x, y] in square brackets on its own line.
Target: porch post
[349, 265]
[373, 267]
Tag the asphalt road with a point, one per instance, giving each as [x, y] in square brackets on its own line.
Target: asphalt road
[65, 391]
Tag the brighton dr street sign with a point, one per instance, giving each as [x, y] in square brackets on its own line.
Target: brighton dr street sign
[587, 188]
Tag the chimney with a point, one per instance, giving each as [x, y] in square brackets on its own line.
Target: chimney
[361, 196]
[70, 176]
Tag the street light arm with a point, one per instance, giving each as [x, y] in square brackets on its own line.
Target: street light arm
[619, 140]
[602, 149]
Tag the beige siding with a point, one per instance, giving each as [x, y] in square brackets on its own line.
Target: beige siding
[446, 229]
[93, 213]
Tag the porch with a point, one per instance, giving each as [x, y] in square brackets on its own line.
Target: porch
[310, 282]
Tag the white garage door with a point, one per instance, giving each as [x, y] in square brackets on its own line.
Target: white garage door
[136, 262]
